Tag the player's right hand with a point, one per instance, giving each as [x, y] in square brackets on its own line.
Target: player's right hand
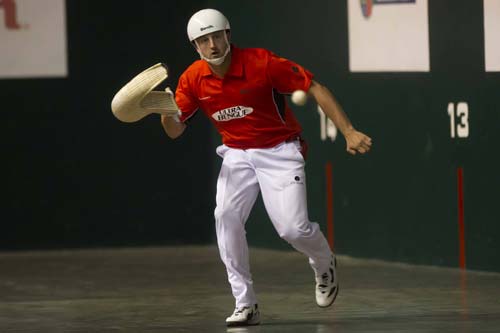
[357, 142]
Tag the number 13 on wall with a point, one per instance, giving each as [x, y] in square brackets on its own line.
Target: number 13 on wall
[459, 119]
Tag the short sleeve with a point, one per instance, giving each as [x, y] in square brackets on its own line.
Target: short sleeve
[287, 76]
[185, 99]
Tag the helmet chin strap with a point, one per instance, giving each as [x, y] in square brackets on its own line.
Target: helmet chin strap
[216, 61]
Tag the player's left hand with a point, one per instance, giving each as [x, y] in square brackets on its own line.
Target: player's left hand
[357, 142]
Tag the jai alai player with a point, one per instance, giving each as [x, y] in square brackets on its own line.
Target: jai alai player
[243, 92]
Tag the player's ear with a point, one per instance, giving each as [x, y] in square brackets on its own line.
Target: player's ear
[228, 34]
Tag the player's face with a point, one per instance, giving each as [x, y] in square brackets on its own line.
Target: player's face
[213, 45]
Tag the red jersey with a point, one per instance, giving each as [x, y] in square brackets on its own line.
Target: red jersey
[247, 106]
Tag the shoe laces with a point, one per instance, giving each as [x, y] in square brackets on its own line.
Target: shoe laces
[324, 280]
[238, 311]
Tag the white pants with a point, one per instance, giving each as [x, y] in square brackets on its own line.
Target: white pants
[279, 174]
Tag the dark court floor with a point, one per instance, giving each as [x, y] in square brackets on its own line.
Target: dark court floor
[184, 289]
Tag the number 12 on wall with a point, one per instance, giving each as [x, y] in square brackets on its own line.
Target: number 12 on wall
[459, 119]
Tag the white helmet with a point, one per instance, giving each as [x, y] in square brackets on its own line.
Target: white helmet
[206, 21]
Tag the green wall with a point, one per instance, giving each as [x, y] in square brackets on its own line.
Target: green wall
[74, 176]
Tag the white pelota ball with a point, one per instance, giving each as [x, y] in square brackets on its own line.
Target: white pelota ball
[299, 97]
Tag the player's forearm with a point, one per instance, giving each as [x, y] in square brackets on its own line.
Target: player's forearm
[330, 107]
[172, 127]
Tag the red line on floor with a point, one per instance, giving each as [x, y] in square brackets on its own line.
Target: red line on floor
[461, 224]
[329, 203]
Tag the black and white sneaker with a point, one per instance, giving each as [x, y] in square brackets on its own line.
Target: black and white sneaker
[327, 286]
[245, 316]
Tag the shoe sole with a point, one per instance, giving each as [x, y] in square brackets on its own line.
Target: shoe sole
[242, 324]
[333, 299]
[249, 322]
